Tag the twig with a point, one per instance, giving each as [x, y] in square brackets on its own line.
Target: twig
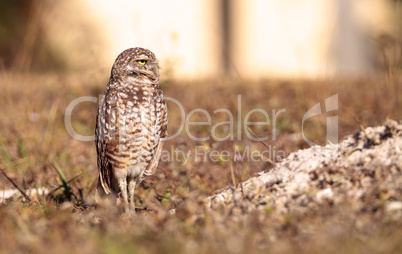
[15, 185]
[232, 174]
[356, 118]
[61, 186]
[270, 150]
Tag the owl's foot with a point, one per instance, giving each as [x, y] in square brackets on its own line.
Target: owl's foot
[129, 215]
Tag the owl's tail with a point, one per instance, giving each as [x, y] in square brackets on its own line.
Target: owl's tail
[103, 194]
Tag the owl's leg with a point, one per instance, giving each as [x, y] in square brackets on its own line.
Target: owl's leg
[131, 187]
[123, 190]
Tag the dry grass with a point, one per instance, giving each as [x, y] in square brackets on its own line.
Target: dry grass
[34, 142]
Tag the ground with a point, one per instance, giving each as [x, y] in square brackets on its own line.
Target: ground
[37, 152]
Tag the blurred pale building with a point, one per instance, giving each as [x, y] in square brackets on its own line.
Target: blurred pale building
[237, 38]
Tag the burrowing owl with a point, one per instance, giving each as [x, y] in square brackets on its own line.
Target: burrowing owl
[131, 125]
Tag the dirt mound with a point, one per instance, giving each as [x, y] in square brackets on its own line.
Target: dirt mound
[363, 173]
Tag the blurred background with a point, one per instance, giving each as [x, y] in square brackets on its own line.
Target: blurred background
[206, 38]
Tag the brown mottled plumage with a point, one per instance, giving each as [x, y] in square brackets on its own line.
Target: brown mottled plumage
[130, 125]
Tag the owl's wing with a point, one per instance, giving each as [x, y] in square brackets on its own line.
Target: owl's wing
[100, 140]
[153, 164]
[164, 120]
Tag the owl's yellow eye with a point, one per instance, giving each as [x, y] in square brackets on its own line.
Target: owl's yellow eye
[142, 62]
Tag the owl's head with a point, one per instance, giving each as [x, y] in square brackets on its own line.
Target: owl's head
[136, 65]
